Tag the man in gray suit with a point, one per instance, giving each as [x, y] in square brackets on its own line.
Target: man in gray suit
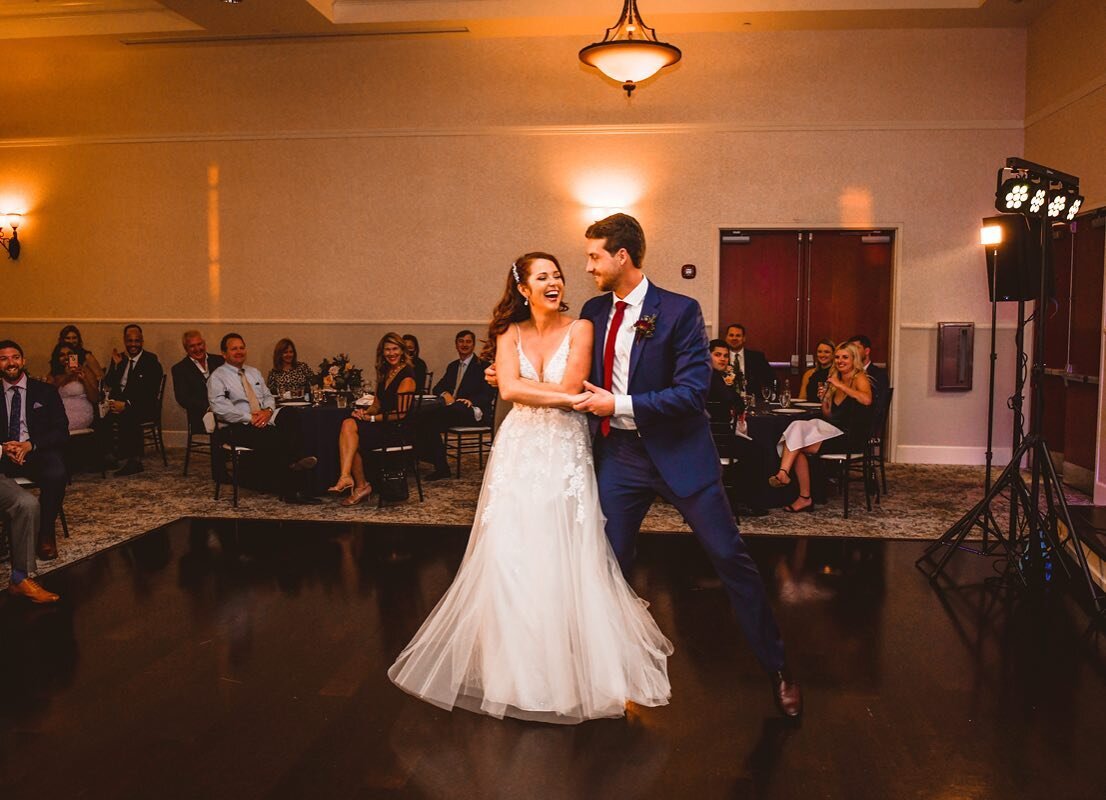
[21, 509]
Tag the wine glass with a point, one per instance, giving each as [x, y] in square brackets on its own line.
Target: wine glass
[766, 393]
[785, 396]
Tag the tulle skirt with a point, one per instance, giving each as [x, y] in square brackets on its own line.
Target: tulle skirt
[539, 622]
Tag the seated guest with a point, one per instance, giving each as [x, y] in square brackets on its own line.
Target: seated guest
[877, 375]
[846, 406]
[724, 397]
[20, 507]
[823, 362]
[752, 368]
[362, 432]
[466, 400]
[723, 379]
[133, 381]
[190, 376]
[77, 385]
[289, 374]
[411, 342]
[70, 336]
[243, 404]
[34, 431]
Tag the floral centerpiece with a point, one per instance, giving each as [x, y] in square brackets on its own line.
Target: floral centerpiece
[338, 373]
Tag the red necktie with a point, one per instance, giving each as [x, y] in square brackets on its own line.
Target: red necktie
[608, 357]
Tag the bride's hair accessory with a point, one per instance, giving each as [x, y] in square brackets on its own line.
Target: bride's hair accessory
[514, 271]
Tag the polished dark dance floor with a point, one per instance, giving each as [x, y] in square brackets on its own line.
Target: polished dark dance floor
[221, 659]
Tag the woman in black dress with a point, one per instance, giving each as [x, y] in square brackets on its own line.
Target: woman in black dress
[411, 342]
[823, 363]
[847, 412]
[365, 431]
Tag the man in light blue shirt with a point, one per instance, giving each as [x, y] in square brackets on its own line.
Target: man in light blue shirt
[247, 416]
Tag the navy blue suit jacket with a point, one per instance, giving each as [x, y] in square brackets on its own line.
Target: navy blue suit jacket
[669, 380]
[47, 425]
[474, 387]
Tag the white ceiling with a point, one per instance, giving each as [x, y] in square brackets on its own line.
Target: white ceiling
[191, 20]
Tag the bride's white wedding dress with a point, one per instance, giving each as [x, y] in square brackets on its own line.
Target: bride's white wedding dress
[539, 623]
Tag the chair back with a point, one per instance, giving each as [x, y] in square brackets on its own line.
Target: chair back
[880, 419]
[160, 398]
[408, 406]
[428, 384]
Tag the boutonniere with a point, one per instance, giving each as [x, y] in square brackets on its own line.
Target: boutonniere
[646, 326]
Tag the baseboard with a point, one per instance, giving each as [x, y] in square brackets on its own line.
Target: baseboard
[932, 454]
[1099, 493]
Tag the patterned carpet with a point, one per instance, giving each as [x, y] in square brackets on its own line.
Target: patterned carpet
[923, 502]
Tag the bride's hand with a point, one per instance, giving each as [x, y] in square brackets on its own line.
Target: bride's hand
[575, 400]
[599, 401]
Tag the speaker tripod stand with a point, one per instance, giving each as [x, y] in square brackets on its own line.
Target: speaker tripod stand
[1032, 543]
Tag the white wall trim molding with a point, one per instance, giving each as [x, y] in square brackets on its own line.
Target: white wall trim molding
[932, 326]
[1099, 493]
[1093, 85]
[314, 322]
[523, 130]
[947, 454]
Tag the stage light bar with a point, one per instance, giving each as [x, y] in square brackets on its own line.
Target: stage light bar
[1033, 190]
[1073, 209]
[1013, 195]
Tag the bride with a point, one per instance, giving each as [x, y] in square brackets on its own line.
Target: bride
[539, 623]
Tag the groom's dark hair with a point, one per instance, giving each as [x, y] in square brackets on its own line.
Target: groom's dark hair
[621, 231]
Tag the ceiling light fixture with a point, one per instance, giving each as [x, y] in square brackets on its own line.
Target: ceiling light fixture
[630, 51]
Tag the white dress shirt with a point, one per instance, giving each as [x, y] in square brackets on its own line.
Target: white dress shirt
[22, 434]
[624, 343]
[737, 359]
[201, 366]
[126, 376]
[228, 399]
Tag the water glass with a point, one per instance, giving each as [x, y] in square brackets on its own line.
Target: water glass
[317, 395]
[341, 400]
[785, 397]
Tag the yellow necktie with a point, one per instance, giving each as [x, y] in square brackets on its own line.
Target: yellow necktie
[251, 396]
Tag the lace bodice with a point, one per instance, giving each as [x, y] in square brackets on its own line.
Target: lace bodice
[554, 370]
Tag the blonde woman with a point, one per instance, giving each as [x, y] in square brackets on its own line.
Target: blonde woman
[846, 408]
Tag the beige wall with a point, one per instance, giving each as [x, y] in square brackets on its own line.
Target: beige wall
[1066, 118]
[334, 191]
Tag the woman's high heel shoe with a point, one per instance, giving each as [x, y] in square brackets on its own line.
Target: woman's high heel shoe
[344, 484]
[792, 510]
[358, 495]
[775, 481]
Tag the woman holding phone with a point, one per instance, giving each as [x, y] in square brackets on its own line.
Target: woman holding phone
[77, 385]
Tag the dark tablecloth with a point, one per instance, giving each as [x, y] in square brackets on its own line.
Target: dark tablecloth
[765, 431]
[318, 429]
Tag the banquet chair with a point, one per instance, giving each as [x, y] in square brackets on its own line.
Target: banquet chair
[198, 440]
[725, 441]
[82, 450]
[233, 451]
[465, 439]
[855, 461]
[880, 435]
[428, 384]
[30, 485]
[401, 448]
[151, 429]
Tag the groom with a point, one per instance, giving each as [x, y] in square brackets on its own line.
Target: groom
[650, 375]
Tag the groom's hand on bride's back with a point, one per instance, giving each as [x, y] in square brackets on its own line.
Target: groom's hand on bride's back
[489, 376]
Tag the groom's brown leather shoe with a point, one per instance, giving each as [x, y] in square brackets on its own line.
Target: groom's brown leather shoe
[787, 694]
[32, 591]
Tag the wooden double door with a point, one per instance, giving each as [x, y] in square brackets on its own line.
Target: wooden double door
[791, 288]
[1073, 345]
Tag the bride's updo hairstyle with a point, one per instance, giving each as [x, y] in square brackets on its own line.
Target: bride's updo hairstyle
[512, 306]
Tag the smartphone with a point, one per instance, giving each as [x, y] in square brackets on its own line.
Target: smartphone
[73, 362]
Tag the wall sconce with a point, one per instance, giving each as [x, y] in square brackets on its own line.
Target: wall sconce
[11, 243]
